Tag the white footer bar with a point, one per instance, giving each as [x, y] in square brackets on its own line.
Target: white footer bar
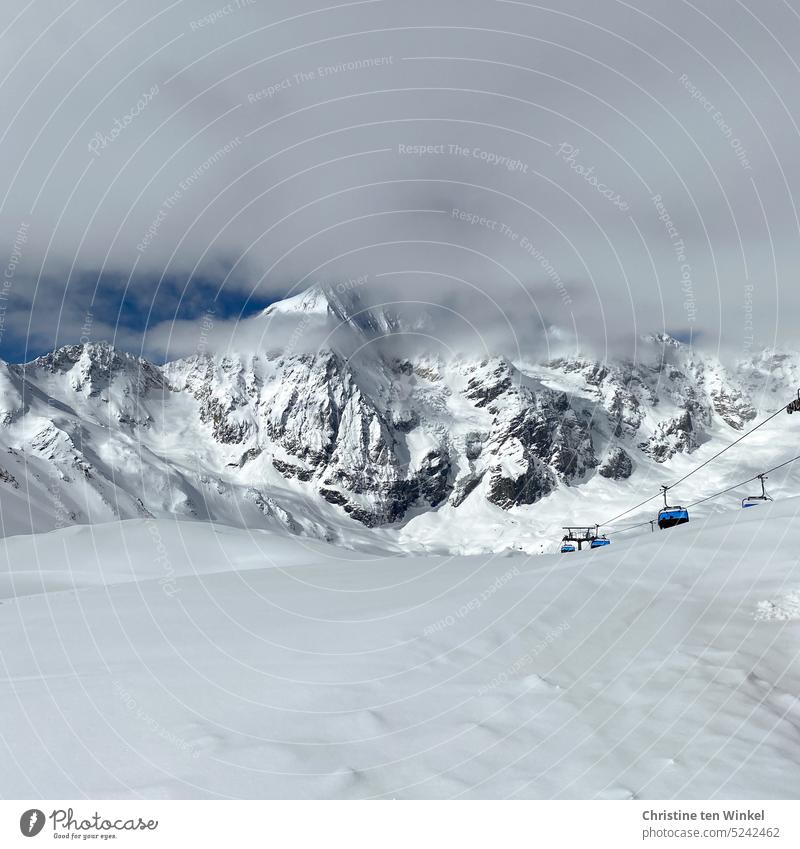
[400, 824]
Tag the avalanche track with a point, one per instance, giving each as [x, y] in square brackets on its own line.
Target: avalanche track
[157, 658]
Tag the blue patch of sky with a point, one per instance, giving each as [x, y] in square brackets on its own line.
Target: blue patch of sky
[114, 302]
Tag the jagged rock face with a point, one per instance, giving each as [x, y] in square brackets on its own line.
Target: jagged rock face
[304, 413]
[733, 407]
[56, 446]
[358, 450]
[464, 486]
[328, 431]
[99, 372]
[625, 411]
[672, 436]
[224, 389]
[691, 390]
[434, 478]
[488, 381]
[617, 465]
[93, 367]
[526, 484]
[536, 439]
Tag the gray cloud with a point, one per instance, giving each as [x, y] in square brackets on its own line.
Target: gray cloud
[274, 145]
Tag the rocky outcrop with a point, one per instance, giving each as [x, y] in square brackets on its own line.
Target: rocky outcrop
[536, 439]
[488, 381]
[671, 436]
[99, 372]
[732, 407]
[269, 507]
[617, 465]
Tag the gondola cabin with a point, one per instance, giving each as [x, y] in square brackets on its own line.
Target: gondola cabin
[600, 542]
[669, 517]
[567, 548]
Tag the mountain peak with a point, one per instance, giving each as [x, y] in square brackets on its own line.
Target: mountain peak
[341, 301]
[92, 366]
[65, 357]
[340, 306]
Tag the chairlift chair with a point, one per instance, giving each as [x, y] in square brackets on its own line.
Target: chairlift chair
[755, 500]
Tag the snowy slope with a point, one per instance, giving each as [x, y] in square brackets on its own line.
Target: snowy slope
[193, 660]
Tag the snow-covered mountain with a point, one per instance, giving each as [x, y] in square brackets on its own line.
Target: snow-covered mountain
[328, 431]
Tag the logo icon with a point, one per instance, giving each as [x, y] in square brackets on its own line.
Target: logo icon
[31, 822]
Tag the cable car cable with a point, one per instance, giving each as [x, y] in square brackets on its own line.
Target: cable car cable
[743, 483]
[697, 468]
[714, 495]
[735, 442]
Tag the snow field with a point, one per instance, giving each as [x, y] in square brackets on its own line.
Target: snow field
[166, 659]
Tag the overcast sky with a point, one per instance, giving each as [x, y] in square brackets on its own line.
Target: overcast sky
[599, 167]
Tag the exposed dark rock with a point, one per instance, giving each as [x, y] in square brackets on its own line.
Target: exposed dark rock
[672, 436]
[405, 421]
[490, 380]
[290, 471]
[526, 488]
[473, 444]
[734, 409]
[434, 478]
[8, 478]
[617, 465]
